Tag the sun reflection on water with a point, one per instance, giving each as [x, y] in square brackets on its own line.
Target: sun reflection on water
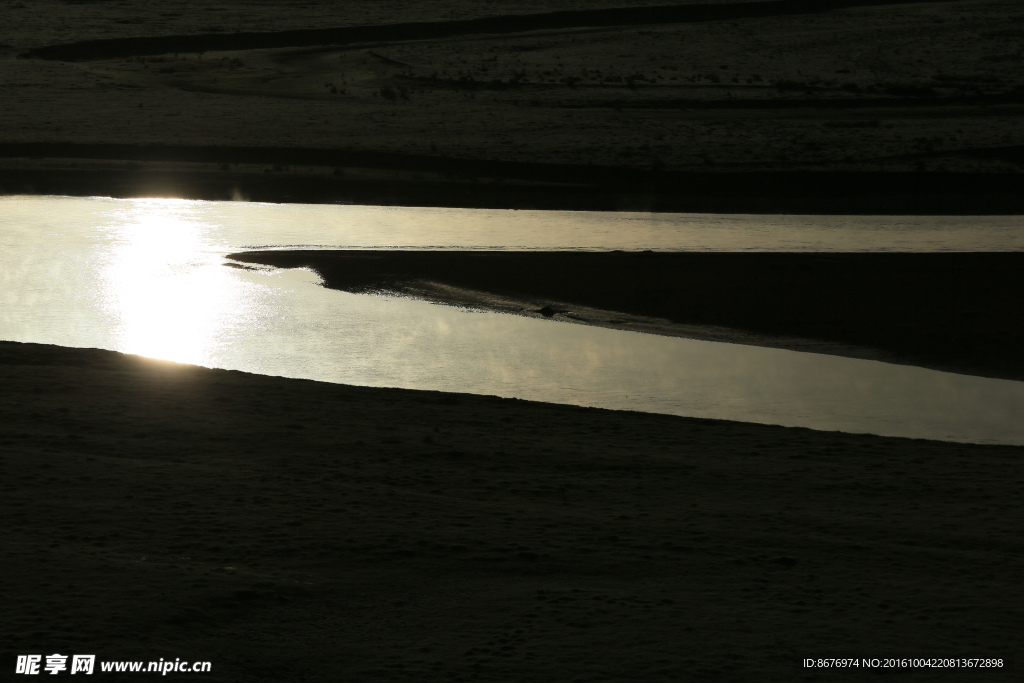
[147, 277]
[169, 294]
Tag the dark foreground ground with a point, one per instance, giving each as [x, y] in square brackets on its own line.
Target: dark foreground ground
[952, 311]
[293, 530]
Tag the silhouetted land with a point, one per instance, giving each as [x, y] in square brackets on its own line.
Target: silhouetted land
[294, 530]
[382, 178]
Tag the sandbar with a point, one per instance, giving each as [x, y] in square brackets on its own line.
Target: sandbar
[946, 311]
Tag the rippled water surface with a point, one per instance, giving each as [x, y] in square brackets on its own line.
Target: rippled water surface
[149, 277]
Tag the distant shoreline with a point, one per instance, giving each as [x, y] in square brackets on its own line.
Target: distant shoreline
[300, 175]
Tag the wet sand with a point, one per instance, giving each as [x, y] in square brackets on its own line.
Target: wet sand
[947, 311]
[293, 530]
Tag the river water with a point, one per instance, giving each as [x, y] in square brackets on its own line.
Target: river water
[149, 277]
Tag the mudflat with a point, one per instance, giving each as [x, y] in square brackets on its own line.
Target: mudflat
[293, 530]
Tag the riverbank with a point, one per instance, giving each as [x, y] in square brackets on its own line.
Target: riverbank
[292, 529]
[946, 311]
[319, 176]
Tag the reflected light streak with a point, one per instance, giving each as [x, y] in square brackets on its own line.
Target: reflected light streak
[171, 299]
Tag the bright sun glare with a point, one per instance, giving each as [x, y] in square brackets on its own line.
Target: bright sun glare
[169, 295]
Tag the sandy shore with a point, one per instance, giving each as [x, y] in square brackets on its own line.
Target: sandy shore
[946, 311]
[293, 530]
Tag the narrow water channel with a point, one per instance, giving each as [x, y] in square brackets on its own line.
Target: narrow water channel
[149, 277]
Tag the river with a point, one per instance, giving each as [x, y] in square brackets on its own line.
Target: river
[148, 277]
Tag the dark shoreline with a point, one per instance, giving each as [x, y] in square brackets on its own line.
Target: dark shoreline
[949, 311]
[329, 176]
